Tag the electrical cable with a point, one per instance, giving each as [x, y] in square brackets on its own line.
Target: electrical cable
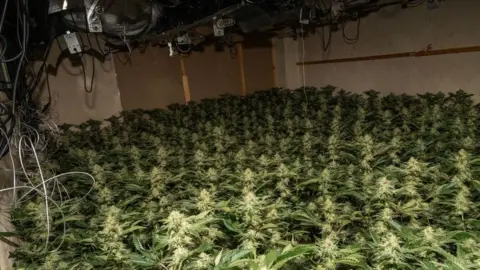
[45, 57]
[100, 47]
[303, 66]
[84, 73]
[126, 61]
[19, 23]
[326, 44]
[20, 65]
[3, 46]
[4, 12]
[346, 38]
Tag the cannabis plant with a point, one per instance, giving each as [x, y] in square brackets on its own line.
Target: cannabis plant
[280, 179]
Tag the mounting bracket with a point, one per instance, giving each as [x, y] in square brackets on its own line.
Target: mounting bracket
[93, 12]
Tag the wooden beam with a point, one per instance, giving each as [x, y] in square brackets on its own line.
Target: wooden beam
[185, 82]
[242, 68]
[395, 55]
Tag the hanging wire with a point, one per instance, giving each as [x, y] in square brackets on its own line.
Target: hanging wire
[28, 141]
[326, 44]
[303, 65]
[19, 121]
[348, 39]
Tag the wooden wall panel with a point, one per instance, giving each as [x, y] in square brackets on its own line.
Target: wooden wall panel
[151, 80]
[70, 103]
[212, 74]
[258, 69]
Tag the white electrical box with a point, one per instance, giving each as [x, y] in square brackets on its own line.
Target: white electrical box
[72, 43]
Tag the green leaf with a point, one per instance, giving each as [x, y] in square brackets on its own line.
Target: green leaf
[130, 200]
[218, 258]
[270, 258]
[268, 226]
[134, 187]
[70, 218]
[291, 254]
[309, 182]
[254, 265]
[239, 254]
[234, 227]
[137, 244]
[8, 234]
[132, 229]
[202, 248]
[238, 263]
[426, 265]
[138, 260]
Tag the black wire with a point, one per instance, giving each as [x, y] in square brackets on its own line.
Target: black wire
[102, 51]
[7, 121]
[17, 83]
[4, 12]
[46, 108]
[126, 60]
[349, 40]
[3, 47]
[81, 54]
[326, 44]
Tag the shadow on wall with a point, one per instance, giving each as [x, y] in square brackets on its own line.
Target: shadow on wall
[154, 80]
[70, 101]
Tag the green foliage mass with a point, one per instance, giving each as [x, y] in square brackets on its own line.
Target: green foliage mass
[277, 180]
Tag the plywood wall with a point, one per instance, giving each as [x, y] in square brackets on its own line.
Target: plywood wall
[70, 103]
[394, 30]
[150, 79]
[153, 79]
[212, 74]
[259, 69]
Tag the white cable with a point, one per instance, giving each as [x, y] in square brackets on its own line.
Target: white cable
[303, 60]
[47, 210]
[303, 65]
[25, 143]
[48, 198]
[65, 174]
